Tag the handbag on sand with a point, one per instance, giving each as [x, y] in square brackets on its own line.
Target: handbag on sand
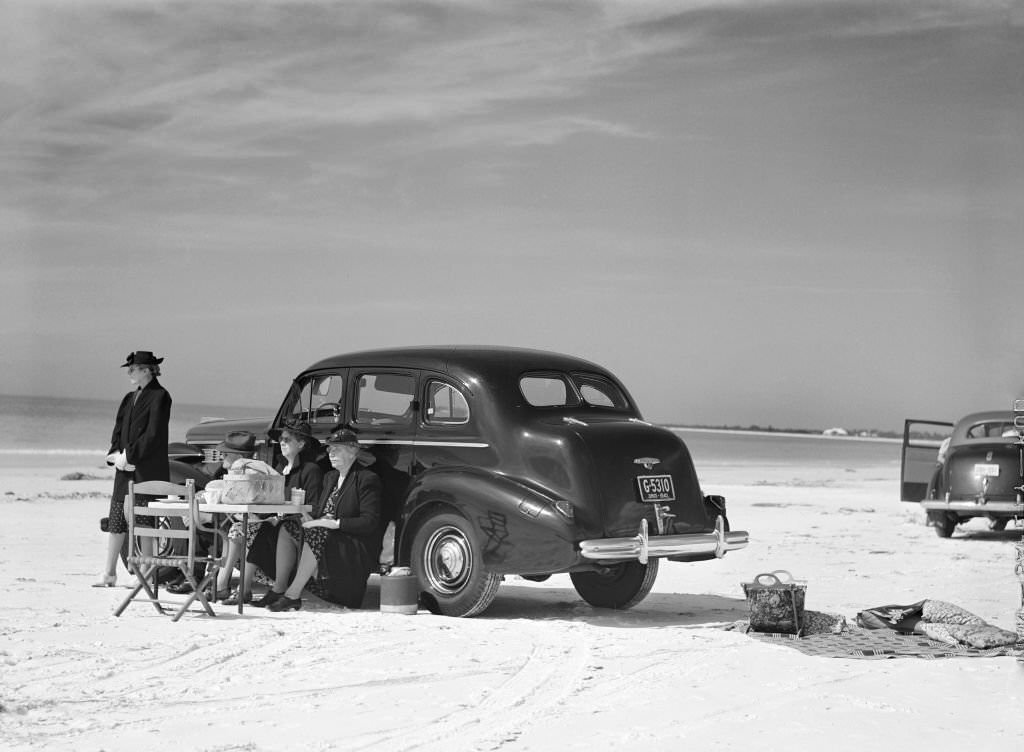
[776, 603]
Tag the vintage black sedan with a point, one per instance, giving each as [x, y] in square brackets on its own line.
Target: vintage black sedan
[498, 461]
[975, 471]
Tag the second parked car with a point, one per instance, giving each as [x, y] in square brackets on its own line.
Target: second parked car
[970, 469]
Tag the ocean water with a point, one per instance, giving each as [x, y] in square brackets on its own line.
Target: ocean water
[42, 431]
[710, 448]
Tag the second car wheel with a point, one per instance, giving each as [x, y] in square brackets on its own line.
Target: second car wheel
[943, 523]
[447, 561]
[618, 586]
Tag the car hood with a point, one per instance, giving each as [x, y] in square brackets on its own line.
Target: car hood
[213, 431]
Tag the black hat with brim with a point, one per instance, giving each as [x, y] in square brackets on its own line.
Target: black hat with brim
[238, 442]
[142, 358]
[343, 436]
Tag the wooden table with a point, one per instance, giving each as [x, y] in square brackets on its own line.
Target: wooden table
[175, 505]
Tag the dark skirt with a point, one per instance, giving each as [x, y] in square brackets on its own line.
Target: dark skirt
[262, 551]
[116, 519]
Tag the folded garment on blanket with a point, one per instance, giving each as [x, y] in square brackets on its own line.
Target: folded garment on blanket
[937, 620]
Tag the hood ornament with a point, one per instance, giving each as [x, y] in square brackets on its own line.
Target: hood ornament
[647, 462]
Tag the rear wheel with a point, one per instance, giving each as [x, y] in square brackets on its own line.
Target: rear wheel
[448, 564]
[999, 523]
[617, 586]
[943, 523]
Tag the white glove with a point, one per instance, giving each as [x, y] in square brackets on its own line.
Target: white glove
[121, 463]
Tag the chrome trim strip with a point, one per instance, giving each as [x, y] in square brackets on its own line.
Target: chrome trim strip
[423, 442]
[643, 547]
[970, 505]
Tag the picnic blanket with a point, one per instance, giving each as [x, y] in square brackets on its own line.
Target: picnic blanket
[926, 629]
[868, 643]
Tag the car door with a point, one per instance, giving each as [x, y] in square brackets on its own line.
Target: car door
[384, 414]
[920, 455]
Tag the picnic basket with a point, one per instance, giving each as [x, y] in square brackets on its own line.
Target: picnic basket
[252, 488]
[776, 602]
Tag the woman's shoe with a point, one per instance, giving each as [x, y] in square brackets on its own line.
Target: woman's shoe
[106, 580]
[232, 600]
[284, 603]
[268, 598]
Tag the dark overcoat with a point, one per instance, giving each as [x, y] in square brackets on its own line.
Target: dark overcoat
[353, 550]
[140, 430]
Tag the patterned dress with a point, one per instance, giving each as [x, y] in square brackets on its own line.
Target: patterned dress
[314, 537]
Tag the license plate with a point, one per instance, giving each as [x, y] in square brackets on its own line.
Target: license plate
[986, 471]
[656, 488]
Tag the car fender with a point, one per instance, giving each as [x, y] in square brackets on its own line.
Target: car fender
[519, 529]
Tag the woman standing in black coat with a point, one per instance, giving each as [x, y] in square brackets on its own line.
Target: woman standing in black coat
[138, 448]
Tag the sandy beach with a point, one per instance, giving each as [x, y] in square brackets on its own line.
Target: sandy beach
[539, 670]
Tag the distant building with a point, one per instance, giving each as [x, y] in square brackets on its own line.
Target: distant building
[835, 432]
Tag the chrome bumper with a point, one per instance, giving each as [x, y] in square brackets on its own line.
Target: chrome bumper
[970, 505]
[642, 547]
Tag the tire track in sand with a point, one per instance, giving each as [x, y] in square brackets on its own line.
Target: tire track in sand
[549, 673]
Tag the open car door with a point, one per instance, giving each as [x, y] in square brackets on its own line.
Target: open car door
[919, 460]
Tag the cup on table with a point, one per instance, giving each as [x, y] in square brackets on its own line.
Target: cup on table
[298, 496]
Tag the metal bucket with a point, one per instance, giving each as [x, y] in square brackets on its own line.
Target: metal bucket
[399, 592]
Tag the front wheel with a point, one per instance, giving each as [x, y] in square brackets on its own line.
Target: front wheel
[619, 586]
[447, 561]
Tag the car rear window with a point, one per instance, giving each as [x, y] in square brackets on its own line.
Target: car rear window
[991, 428]
[598, 391]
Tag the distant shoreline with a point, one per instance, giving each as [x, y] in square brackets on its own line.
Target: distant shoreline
[789, 434]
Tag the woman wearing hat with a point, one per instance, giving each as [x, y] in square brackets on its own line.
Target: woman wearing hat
[138, 448]
[237, 445]
[300, 470]
[349, 508]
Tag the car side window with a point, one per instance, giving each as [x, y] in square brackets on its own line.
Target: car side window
[547, 390]
[385, 399]
[446, 405]
[327, 396]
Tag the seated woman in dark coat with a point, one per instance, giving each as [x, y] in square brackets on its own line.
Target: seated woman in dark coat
[348, 511]
[300, 470]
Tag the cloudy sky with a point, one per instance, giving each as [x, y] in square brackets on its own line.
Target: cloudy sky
[796, 213]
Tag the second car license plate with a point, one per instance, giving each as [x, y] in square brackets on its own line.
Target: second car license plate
[986, 471]
[656, 488]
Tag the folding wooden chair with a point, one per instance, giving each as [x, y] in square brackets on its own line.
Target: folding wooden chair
[145, 564]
